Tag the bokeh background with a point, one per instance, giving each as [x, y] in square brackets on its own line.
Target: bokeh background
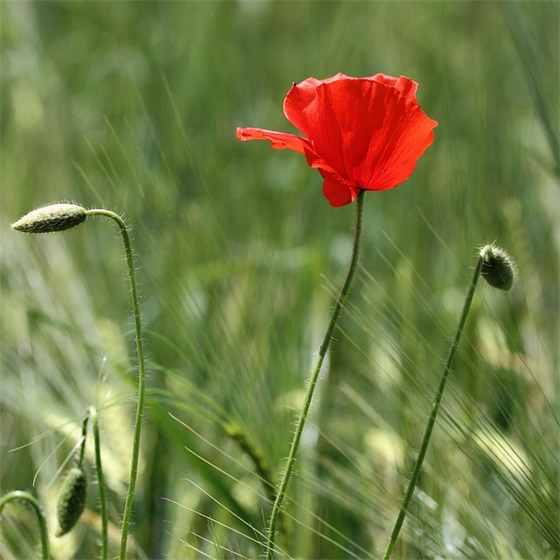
[132, 106]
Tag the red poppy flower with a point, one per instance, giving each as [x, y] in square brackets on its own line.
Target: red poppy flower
[360, 133]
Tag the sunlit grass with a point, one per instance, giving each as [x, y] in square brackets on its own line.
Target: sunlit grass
[134, 107]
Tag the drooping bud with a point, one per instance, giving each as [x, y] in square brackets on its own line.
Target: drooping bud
[71, 500]
[51, 218]
[498, 268]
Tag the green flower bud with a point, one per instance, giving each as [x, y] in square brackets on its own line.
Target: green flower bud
[54, 217]
[498, 268]
[71, 500]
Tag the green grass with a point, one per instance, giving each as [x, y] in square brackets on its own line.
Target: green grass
[133, 107]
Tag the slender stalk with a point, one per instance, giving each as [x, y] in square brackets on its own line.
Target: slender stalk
[92, 412]
[141, 373]
[82, 451]
[27, 497]
[435, 406]
[313, 382]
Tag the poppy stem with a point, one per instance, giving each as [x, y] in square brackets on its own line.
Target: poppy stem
[141, 373]
[436, 405]
[20, 495]
[92, 413]
[288, 470]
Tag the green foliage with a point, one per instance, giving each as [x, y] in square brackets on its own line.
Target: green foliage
[133, 107]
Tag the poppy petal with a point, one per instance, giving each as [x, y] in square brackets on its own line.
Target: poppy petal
[298, 101]
[336, 192]
[278, 140]
[404, 85]
[395, 148]
[408, 143]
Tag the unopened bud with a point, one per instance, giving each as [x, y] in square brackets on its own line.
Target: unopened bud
[71, 500]
[498, 268]
[54, 217]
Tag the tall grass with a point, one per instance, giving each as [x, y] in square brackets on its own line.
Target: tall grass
[133, 107]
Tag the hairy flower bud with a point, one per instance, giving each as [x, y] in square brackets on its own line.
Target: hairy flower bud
[54, 217]
[71, 500]
[498, 268]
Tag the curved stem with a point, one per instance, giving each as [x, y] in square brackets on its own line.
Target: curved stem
[27, 497]
[141, 373]
[92, 413]
[271, 534]
[435, 406]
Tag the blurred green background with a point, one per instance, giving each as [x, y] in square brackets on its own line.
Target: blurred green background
[132, 106]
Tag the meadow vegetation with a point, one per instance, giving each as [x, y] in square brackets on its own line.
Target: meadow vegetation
[133, 107]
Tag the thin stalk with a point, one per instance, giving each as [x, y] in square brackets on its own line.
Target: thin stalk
[32, 501]
[288, 470]
[82, 451]
[92, 412]
[141, 373]
[435, 406]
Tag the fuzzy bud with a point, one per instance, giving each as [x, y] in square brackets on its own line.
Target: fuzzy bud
[498, 268]
[71, 500]
[54, 217]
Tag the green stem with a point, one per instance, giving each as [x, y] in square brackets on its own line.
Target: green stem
[27, 497]
[83, 444]
[92, 412]
[435, 406]
[141, 374]
[313, 382]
